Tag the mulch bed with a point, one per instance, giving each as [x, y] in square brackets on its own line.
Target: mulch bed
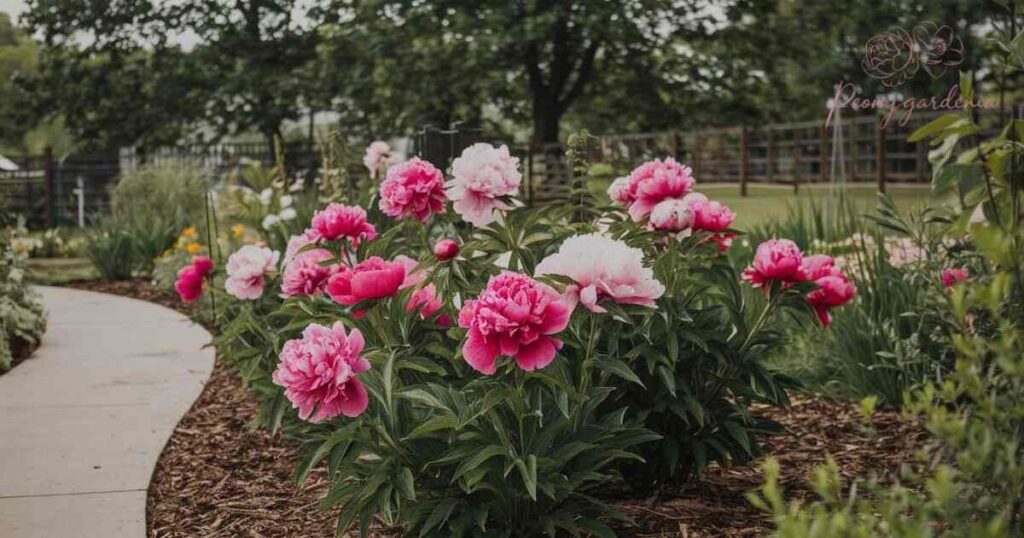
[218, 478]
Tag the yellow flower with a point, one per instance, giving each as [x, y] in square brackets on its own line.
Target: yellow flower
[238, 230]
[194, 248]
[189, 232]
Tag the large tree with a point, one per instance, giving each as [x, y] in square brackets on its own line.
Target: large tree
[152, 72]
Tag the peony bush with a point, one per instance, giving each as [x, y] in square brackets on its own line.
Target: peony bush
[463, 365]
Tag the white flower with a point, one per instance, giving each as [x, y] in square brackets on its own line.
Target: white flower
[266, 196]
[286, 200]
[270, 221]
[288, 213]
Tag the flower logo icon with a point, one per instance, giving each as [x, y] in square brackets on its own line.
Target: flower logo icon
[895, 57]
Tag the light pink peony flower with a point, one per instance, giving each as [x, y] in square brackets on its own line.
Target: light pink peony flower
[296, 243]
[318, 373]
[245, 269]
[413, 189]
[672, 215]
[833, 291]
[445, 249]
[481, 176]
[515, 316]
[655, 181]
[619, 192]
[775, 259]
[818, 266]
[377, 156]
[373, 278]
[604, 268]
[953, 275]
[338, 221]
[306, 274]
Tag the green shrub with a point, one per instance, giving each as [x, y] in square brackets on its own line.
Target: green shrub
[22, 319]
[173, 193]
[110, 248]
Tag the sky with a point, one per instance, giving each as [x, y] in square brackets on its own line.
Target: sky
[12, 7]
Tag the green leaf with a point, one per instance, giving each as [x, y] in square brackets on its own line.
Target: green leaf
[963, 176]
[933, 127]
[619, 368]
[528, 470]
[477, 460]
[439, 514]
[739, 434]
[406, 484]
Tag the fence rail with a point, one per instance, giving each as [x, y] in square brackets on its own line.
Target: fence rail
[45, 189]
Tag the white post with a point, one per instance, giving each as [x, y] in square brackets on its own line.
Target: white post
[80, 191]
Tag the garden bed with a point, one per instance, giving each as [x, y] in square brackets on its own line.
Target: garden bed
[217, 477]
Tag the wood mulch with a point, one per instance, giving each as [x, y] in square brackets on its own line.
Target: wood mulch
[219, 478]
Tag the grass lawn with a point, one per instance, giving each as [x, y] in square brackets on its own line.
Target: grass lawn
[766, 202]
[56, 271]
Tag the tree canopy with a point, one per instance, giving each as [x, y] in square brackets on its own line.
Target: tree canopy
[147, 73]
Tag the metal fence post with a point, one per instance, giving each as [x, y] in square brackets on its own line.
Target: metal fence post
[744, 159]
[48, 187]
[880, 157]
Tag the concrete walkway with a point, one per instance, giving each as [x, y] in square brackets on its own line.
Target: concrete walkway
[83, 421]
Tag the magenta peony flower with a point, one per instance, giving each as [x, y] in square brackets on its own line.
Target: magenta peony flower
[413, 189]
[189, 284]
[619, 192]
[203, 264]
[775, 259]
[246, 267]
[655, 181]
[377, 156]
[515, 316]
[373, 278]
[481, 176]
[318, 373]
[604, 268]
[672, 215]
[306, 274]
[338, 221]
[445, 249]
[953, 275]
[833, 291]
[818, 266]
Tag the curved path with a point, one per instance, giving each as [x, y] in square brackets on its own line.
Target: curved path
[83, 421]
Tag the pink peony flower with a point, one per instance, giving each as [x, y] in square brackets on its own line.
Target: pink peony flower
[338, 221]
[318, 373]
[424, 300]
[673, 215]
[604, 268]
[775, 259]
[413, 189]
[619, 192]
[306, 273]
[818, 266]
[245, 269]
[515, 316]
[373, 278]
[655, 181]
[833, 291]
[377, 156]
[189, 283]
[953, 275]
[445, 249]
[708, 215]
[481, 176]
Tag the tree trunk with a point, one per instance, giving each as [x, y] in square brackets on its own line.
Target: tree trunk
[546, 121]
